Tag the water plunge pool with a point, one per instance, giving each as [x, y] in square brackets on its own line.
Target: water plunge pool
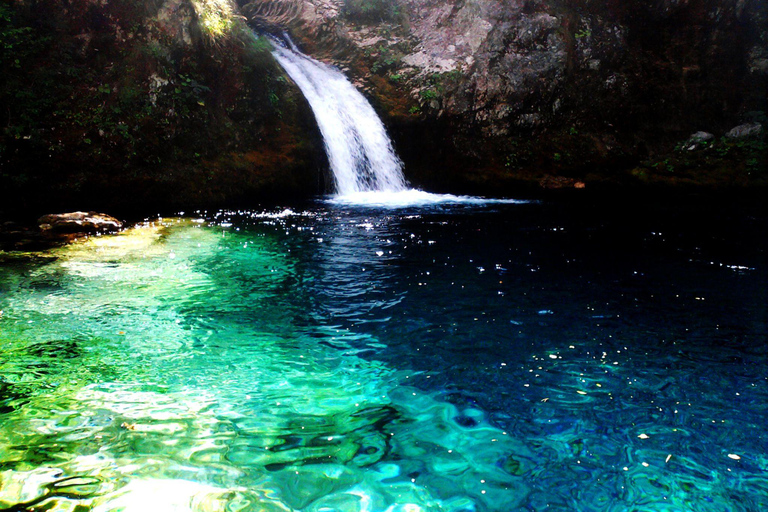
[451, 357]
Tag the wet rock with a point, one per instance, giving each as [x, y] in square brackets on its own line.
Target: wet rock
[701, 137]
[29, 238]
[744, 131]
[79, 222]
[698, 140]
[592, 78]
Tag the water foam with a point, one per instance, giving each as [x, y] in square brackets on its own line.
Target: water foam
[412, 198]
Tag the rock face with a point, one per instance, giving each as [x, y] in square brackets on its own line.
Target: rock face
[79, 222]
[174, 103]
[698, 140]
[520, 89]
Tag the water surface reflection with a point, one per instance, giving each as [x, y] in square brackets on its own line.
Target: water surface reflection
[451, 357]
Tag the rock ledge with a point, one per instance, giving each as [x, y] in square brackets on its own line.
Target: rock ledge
[79, 222]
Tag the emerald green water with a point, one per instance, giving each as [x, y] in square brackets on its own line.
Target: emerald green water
[343, 359]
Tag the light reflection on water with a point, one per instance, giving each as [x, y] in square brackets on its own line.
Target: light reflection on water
[175, 354]
[497, 357]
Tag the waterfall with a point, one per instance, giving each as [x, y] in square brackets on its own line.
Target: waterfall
[359, 151]
[366, 170]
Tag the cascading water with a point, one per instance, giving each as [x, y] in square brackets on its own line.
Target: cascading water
[359, 151]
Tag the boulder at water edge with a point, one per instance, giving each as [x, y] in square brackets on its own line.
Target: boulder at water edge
[79, 222]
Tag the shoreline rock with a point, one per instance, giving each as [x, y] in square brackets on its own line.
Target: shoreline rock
[698, 140]
[78, 222]
[54, 229]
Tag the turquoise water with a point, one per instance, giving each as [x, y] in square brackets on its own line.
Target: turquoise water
[497, 357]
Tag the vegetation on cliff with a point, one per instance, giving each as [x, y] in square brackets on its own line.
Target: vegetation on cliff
[149, 103]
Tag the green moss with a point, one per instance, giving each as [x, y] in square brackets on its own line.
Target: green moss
[436, 85]
[387, 58]
[370, 11]
[428, 94]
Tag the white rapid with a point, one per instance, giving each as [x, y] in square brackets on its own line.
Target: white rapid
[359, 151]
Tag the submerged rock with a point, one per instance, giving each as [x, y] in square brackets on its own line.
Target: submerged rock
[79, 222]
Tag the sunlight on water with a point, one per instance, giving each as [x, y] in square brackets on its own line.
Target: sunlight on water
[163, 368]
[345, 358]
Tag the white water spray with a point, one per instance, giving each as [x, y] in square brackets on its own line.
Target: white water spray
[360, 153]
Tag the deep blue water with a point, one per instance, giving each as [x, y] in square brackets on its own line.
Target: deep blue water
[531, 356]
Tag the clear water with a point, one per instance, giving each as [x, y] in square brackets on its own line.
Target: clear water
[449, 357]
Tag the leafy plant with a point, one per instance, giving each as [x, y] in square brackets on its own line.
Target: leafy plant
[388, 58]
[428, 94]
[664, 165]
[585, 32]
[17, 42]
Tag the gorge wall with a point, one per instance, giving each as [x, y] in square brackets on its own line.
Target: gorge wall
[493, 95]
[174, 102]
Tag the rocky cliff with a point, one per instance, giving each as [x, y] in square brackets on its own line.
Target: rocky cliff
[177, 103]
[557, 92]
